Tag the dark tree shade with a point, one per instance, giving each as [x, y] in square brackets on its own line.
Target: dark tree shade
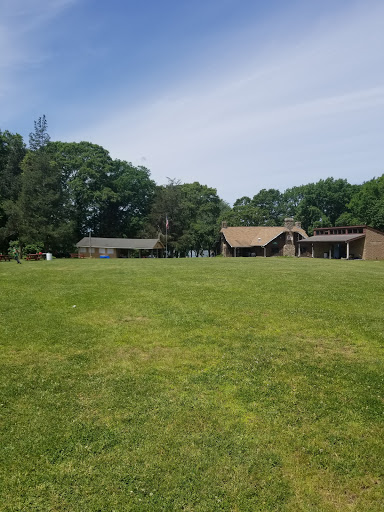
[12, 152]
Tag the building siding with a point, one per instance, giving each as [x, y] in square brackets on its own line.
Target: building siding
[374, 245]
[97, 252]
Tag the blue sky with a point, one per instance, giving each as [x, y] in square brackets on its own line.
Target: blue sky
[236, 94]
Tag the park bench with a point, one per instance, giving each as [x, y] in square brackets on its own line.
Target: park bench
[5, 257]
[77, 255]
[33, 257]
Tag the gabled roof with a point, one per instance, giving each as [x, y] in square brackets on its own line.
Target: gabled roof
[255, 236]
[121, 243]
[333, 238]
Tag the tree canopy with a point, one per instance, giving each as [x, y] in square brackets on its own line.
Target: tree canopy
[53, 193]
[193, 212]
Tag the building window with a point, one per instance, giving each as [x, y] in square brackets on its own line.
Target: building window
[101, 250]
[110, 251]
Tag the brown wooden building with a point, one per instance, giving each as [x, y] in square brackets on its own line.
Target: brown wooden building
[262, 240]
[120, 247]
[344, 242]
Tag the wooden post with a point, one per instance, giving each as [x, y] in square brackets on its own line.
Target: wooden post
[313, 252]
[265, 252]
[298, 250]
[347, 250]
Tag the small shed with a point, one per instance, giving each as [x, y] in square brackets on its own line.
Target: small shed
[120, 247]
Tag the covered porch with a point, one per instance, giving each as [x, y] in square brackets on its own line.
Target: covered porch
[121, 247]
[139, 253]
[333, 246]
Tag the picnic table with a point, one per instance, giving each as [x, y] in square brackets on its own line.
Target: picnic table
[31, 257]
[5, 257]
[77, 255]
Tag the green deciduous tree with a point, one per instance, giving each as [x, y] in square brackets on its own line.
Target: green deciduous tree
[367, 205]
[264, 209]
[12, 152]
[193, 211]
[41, 211]
[244, 213]
[125, 212]
[109, 197]
[42, 206]
[204, 210]
[84, 169]
[314, 204]
[269, 202]
[323, 202]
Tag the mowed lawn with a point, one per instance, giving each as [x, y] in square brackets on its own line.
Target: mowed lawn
[192, 385]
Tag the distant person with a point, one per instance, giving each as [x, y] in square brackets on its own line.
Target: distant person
[15, 253]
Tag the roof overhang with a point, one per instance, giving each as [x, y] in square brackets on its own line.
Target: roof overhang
[269, 241]
[254, 242]
[317, 239]
[122, 243]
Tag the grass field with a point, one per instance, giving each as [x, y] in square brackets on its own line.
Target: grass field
[192, 385]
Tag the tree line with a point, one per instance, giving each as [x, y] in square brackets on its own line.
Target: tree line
[53, 193]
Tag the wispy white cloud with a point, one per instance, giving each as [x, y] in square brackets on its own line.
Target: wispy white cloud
[22, 44]
[277, 116]
[27, 15]
[271, 106]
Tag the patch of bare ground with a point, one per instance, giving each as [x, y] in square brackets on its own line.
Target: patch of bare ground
[330, 347]
[100, 319]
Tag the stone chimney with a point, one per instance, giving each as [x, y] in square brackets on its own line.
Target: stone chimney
[298, 224]
[224, 224]
[289, 223]
[289, 247]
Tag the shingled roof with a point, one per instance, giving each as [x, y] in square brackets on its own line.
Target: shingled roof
[121, 243]
[333, 238]
[256, 236]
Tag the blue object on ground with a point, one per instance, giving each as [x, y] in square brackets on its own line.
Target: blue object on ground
[104, 257]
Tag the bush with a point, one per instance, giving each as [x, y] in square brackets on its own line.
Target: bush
[14, 244]
[33, 248]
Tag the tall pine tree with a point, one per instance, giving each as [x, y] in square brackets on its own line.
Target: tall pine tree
[42, 207]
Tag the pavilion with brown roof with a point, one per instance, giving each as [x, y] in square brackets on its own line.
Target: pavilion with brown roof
[262, 240]
[345, 242]
[119, 247]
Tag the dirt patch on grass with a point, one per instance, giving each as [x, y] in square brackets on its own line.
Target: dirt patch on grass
[136, 356]
[102, 319]
[329, 347]
[31, 357]
[135, 319]
[333, 347]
